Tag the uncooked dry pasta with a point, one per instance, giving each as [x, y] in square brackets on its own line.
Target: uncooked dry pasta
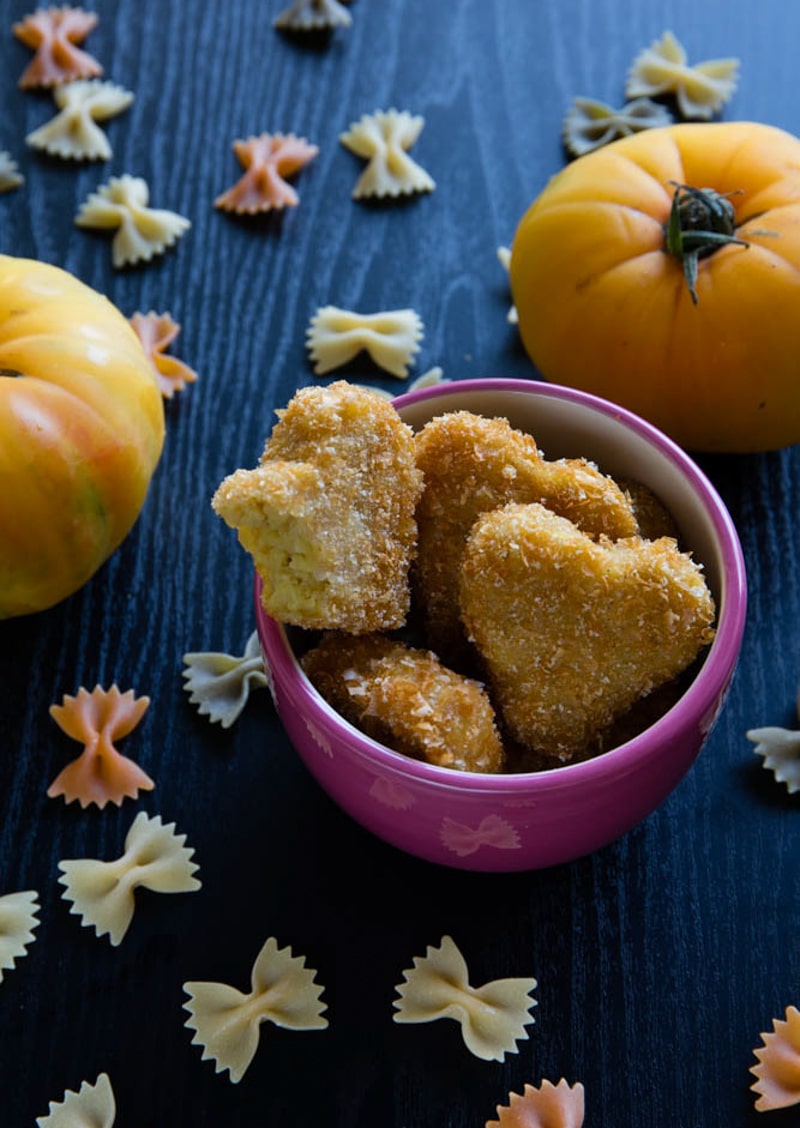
[54, 33]
[220, 684]
[700, 90]
[590, 124]
[10, 176]
[101, 774]
[226, 1022]
[545, 1106]
[267, 159]
[157, 331]
[73, 133]
[780, 749]
[92, 1106]
[492, 1018]
[778, 1069]
[141, 231]
[18, 919]
[383, 139]
[312, 15]
[102, 893]
[391, 338]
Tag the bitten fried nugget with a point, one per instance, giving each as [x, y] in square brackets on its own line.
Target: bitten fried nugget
[574, 631]
[407, 700]
[328, 515]
[472, 465]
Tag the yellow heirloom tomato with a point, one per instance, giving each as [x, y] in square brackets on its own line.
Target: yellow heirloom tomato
[81, 432]
[662, 272]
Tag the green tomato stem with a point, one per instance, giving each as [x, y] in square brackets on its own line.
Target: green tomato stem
[700, 222]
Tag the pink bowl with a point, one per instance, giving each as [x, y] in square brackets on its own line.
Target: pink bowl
[522, 822]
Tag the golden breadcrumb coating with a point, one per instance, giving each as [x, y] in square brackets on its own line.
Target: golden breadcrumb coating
[328, 515]
[471, 466]
[407, 700]
[574, 631]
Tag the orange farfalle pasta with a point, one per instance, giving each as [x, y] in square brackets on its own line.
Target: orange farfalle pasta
[157, 331]
[100, 774]
[778, 1069]
[53, 34]
[550, 1106]
[267, 159]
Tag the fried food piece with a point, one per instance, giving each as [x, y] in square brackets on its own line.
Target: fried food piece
[574, 631]
[473, 465]
[407, 700]
[328, 515]
[652, 516]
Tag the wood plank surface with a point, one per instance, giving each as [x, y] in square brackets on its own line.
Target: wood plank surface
[661, 958]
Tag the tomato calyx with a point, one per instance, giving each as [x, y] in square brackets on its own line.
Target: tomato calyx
[700, 222]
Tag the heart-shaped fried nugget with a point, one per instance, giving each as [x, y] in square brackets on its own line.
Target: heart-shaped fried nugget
[574, 631]
[472, 465]
[328, 515]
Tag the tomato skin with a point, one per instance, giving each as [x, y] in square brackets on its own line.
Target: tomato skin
[81, 433]
[603, 306]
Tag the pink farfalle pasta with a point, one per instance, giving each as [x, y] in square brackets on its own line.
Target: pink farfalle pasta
[492, 1017]
[226, 1022]
[92, 1106]
[548, 1106]
[101, 774]
[53, 33]
[157, 331]
[267, 159]
[778, 1069]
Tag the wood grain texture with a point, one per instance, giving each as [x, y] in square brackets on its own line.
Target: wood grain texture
[661, 958]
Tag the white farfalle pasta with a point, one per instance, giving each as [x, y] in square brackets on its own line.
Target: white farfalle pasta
[778, 1069]
[313, 15]
[102, 893]
[92, 1106]
[220, 684]
[383, 139]
[590, 124]
[18, 919]
[226, 1022]
[780, 749]
[700, 90]
[545, 1106]
[73, 133]
[391, 337]
[492, 1018]
[10, 176]
[142, 231]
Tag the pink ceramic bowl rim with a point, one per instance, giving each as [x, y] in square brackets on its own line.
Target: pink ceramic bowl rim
[698, 705]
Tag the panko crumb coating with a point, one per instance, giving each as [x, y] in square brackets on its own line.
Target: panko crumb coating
[575, 631]
[328, 515]
[404, 698]
[473, 465]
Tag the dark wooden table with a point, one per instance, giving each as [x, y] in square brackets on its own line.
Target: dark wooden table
[661, 958]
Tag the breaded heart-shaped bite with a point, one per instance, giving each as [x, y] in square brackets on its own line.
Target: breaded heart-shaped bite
[328, 515]
[472, 465]
[574, 631]
[406, 699]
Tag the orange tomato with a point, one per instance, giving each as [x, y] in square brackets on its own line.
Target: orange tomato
[81, 432]
[620, 291]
